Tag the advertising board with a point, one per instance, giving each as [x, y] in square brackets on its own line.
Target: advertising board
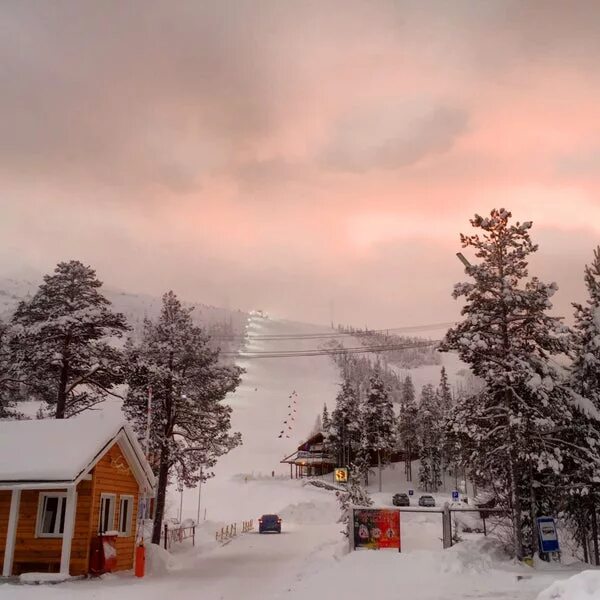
[376, 528]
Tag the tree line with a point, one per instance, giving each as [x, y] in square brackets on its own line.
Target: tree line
[529, 432]
[365, 431]
[65, 347]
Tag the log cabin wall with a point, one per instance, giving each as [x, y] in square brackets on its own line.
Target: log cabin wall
[5, 496]
[42, 554]
[112, 475]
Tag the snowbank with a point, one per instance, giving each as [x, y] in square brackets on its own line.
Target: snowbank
[584, 586]
[473, 556]
[159, 561]
[34, 578]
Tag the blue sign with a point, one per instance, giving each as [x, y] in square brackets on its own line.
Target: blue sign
[455, 495]
[547, 534]
[411, 492]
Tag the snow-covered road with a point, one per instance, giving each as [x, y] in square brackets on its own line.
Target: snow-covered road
[251, 566]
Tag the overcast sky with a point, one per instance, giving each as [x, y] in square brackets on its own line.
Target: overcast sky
[297, 156]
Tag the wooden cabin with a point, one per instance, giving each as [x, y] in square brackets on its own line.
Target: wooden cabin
[310, 459]
[62, 484]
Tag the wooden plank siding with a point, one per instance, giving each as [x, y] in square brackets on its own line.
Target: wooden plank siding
[43, 554]
[111, 475]
[4, 512]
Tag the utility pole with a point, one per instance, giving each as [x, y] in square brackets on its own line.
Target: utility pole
[148, 421]
[199, 496]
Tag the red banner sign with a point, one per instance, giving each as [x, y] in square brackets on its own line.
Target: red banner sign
[376, 528]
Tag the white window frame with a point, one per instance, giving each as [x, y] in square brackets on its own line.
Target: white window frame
[127, 532]
[62, 498]
[112, 498]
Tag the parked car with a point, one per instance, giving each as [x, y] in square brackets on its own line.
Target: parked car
[401, 500]
[426, 501]
[269, 523]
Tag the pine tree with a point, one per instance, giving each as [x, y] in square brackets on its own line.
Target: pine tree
[378, 425]
[407, 425]
[353, 495]
[585, 380]
[9, 377]
[190, 426]
[430, 439]
[444, 395]
[63, 341]
[507, 338]
[444, 392]
[344, 433]
[325, 420]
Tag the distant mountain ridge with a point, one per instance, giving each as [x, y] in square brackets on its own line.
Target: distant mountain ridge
[136, 307]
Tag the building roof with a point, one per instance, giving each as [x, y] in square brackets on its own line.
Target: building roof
[63, 451]
[315, 438]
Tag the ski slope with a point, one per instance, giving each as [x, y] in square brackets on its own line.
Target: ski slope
[243, 486]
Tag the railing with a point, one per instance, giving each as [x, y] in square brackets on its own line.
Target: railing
[178, 534]
[230, 531]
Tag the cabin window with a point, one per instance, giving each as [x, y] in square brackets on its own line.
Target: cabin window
[125, 515]
[51, 515]
[107, 513]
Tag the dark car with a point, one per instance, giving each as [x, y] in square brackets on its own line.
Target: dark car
[269, 523]
[401, 500]
[426, 501]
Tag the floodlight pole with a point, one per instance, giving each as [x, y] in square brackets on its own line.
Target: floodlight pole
[463, 260]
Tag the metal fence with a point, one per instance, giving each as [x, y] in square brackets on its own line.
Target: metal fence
[174, 535]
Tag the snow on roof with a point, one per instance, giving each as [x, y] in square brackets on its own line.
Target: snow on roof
[57, 450]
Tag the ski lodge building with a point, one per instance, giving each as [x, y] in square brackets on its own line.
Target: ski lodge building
[309, 460]
[68, 488]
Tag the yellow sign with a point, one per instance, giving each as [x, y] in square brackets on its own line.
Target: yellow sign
[341, 475]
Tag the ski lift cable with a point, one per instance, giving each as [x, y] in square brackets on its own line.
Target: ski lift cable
[316, 335]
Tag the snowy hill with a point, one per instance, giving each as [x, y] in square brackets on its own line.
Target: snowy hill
[260, 406]
[243, 484]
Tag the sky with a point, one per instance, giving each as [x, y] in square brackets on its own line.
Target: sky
[315, 159]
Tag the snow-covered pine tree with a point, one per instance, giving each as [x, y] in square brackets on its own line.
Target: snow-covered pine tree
[378, 425]
[585, 369]
[354, 495]
[430, 439]
[344, 433]
[507, 338]
[407, 425]
[63, 341]
[444, 392]
[190, 425]
[325, 420]
[444, 395]
[9, 376]
[585, 380]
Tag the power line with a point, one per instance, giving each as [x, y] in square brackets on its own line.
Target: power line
[314, 336]
[329, 351]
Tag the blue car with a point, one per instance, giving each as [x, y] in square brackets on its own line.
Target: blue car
[269, 523]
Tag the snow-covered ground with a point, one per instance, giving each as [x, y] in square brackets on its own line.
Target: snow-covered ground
[309, 559]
